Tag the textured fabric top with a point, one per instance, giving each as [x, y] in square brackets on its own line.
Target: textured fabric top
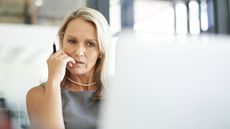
[79, 110]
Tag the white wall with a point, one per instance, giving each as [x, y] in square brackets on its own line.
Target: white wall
[23, 53]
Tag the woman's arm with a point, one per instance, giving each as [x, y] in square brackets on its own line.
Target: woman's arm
[44, 107]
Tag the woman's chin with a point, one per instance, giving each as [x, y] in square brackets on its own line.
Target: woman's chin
[75, 70]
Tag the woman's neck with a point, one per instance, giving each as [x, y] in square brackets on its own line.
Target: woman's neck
[85, 79]
[80, 83]
[72, 87]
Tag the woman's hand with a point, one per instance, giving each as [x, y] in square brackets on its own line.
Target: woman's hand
[57, 66]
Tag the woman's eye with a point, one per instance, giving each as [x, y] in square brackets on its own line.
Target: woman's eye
[90, 44]
[71, 41]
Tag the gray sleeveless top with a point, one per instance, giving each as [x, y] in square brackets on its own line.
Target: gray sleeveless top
[79, 111]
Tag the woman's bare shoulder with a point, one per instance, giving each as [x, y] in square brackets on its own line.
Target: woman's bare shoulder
[36, 91]
[34, 100]
[35, 95]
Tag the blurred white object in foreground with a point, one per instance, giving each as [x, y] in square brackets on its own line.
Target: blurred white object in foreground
[169, 82]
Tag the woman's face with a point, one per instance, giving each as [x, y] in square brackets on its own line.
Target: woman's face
[80, 42]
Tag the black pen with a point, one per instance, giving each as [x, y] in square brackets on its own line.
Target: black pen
[54, 47]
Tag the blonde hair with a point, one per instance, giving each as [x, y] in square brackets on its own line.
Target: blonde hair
[103, 35]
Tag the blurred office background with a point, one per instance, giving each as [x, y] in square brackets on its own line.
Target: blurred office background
[28, 28]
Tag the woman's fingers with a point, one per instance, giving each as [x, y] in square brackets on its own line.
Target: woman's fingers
[60, 54]
[70, 64]
[69, 59]
[56, 54]
[57, 64]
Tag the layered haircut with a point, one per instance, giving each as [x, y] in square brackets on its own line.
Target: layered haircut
[103, 35]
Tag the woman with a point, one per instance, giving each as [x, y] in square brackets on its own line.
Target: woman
[76, 75]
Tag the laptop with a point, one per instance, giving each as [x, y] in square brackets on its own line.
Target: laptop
[169, 82]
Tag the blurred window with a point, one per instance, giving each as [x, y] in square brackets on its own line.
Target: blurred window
[115, 16]
[204, 15]
[194, 22]
[181, 18]
[153, 16]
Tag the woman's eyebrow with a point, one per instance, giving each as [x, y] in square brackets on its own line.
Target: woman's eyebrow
[71, 36]
[91, 40]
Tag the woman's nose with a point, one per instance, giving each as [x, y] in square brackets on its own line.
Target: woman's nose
[79, 51]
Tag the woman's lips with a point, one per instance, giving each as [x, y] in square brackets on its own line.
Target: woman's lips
[79, 62]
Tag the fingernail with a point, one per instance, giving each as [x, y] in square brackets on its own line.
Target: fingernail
[70, 64]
